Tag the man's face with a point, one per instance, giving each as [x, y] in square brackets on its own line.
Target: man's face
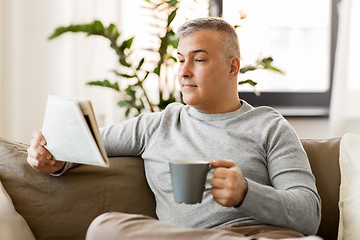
[204, 74]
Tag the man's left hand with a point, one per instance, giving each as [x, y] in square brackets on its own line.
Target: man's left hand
[229, 185]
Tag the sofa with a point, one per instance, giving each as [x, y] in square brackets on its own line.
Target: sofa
[47, 207]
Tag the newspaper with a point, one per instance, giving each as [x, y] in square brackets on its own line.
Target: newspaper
[71, 132]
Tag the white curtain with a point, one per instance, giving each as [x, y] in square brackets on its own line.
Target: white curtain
[31, 67]
[345, 109]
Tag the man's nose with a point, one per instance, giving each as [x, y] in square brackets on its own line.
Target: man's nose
[185, 70]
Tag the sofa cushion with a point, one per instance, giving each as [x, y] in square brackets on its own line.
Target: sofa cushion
[12, 224]
[324, 160]
[349, 189]
[63, 207]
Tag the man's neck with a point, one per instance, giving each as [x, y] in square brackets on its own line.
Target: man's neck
[220, 109]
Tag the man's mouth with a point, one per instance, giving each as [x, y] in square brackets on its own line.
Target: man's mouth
[187, 85]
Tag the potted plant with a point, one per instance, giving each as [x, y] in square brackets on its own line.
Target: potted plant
[134, 97]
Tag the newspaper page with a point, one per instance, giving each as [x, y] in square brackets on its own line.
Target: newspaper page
[69, 134]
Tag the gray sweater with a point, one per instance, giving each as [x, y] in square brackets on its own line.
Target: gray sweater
[281, 186]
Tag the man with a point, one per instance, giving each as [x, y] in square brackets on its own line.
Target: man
[262, 185]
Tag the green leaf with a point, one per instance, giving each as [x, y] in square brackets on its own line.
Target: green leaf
[123, 61]
[120, 51]
[150, 50]
[94, 28]
[146, 75]
[127, 113]
[266, 63]
[126, 44]
[157, 70]
[142, 104]
[267, 60]
[140, 64]
[122, 103]
[172, 40]
[248, 81]
[131, 93]
[127, 76]
[247, 68]
[173, 58]
[98, 26]
[276, 70]
[171, 17]
[172, 3]
[105, 83]
[117, 34]
[111, 28]
[123, 74]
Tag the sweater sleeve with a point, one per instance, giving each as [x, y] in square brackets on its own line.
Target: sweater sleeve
[292, 201]
[129, 138]
[66, 167]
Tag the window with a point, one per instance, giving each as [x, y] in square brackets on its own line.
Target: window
[300, 35]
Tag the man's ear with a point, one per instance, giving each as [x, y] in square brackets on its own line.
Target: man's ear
[234, 66]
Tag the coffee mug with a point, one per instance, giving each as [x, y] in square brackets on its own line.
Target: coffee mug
[188, 179]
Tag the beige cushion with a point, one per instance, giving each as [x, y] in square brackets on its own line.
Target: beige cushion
[63, 207]
[12, 225]
[349, 227]
[324, 160]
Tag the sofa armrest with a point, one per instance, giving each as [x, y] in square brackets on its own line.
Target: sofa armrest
[63, 207]
[323, 155]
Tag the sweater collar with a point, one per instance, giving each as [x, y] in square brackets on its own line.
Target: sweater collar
[193, 112]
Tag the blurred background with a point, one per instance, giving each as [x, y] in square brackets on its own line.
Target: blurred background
[316, 44]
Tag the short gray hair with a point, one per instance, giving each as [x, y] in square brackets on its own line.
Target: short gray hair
[230, 38]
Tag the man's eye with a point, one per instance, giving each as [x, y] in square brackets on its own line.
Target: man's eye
[181, 60]
[199, 60]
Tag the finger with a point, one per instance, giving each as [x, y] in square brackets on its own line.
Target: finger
[223, 197]
[49, 169]
[229, 197]
[38, 146]
[222, 163]
[36, 150]
[218, 183]
[222, 193]
[38, 136]
[35, 163]
[43, 152]
[40, 154]
[229, 182]
[45, 168]
[220, 173]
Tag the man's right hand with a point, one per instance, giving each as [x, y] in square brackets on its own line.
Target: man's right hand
[40, 158]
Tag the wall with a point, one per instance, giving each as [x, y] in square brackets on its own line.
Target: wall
[31, 67]
[24, 55]
[311, 127]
